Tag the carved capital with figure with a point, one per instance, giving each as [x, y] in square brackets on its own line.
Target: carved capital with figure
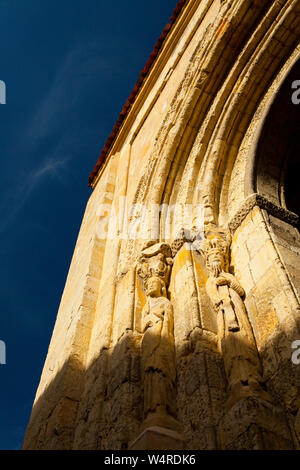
[236, 339]
[215, 250]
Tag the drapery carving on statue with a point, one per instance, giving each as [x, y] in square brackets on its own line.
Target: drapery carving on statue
[220, 284]
[157, 347]
[236, 340]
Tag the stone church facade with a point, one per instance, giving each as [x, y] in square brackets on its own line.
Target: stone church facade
[179, 320]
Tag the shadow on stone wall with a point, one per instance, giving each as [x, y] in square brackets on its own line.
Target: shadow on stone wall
[102, 408]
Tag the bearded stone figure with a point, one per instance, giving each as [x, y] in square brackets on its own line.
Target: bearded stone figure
[236, 341]
[157, 347]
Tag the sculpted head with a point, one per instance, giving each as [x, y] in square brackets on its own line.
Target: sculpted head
[155, 287]
[154, 266]
[215, 261]
[215, 250]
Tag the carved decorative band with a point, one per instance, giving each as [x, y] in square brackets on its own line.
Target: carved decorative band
[264, 203]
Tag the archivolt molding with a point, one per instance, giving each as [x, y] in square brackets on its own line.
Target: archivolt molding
[252, 137]
[199, 140]
[200, 81]
[182, 120]
[223, 52]
[249, 85]
[222, 123]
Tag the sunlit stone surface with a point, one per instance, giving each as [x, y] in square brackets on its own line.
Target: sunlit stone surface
[182, 300]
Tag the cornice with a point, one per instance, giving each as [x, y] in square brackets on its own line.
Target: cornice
[263, 203]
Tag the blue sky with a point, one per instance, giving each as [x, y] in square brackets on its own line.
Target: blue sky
[69, 66]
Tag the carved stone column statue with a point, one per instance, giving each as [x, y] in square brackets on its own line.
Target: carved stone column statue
[251, 420]
[157, 348]
[236, 341]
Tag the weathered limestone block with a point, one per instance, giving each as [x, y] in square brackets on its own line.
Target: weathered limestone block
[157, 438]
[201, 396]
[254, 424]
[271, 303]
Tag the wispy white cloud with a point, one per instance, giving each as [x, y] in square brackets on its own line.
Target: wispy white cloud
[48, 167]
[54, 118]
[16, 197]
[78, 75]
